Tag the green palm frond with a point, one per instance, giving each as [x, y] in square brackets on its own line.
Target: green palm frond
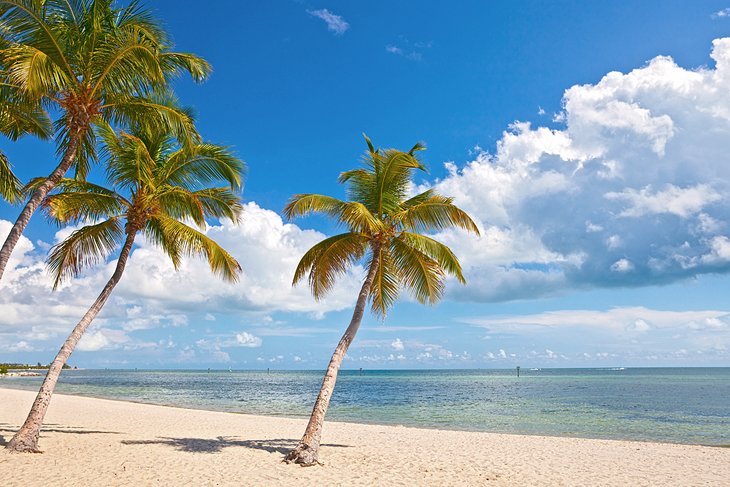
[176, 63]
[87, 246]
[420, 274]
[156, 234]
[429, 211]
[160, 111]
[202, 164]
[191, 242]
[386, 286]
[181, 204]
[33, 71]
[125, 63]
[329, 259]
[393, 171]
[434, 250]
[353, 214]
[20, 115]
[220, 203]
[28, 22]
[133, 164]
[79, 201]
[10, 186]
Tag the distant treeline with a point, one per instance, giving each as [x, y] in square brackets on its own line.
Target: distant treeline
[28, 366]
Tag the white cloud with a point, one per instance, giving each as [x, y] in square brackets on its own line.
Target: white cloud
[245, 339]
[152, 294]
[678, 201]
[335, 23]
[636, 179]
[616, 319]
[397, 344]
[622, 265]
[407, 49]
[95, 340]
[720, 14]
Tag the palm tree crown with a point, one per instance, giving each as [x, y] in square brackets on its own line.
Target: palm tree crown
[381, 220]
[87, 58]
[157, 187]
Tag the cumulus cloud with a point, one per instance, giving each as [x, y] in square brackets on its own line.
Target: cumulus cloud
[397, 344]
[721, 14]
[245, 339]
[335, 23]
[630, 190]
[152, 294]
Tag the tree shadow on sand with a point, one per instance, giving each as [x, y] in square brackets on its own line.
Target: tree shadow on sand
[215, 445]
[51, 428]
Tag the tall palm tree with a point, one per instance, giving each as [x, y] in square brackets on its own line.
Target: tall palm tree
[88, 61]
[383, 228]
[156, 187]
[18, 117]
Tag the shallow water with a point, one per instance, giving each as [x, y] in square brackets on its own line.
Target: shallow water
[680, 405]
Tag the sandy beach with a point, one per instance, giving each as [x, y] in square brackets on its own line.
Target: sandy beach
[102, 442]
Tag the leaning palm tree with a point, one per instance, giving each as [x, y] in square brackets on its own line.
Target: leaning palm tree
[18, 117]
[88, 61]
[383, 228]
[157, 187]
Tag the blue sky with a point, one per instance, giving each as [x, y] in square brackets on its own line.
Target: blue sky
[588, 139]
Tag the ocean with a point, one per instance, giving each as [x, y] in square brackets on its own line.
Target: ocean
[677, 405]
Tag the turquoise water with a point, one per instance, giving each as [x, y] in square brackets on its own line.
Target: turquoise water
[679, 405]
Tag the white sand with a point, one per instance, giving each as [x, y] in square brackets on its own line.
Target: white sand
[100, 442]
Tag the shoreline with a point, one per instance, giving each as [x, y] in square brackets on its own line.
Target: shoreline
[110, 442]
[365, 423]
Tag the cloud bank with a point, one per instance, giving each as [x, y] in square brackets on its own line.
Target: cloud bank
[631, 189]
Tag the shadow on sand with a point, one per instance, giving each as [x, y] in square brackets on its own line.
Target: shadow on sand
[50, 428]
[215, 445]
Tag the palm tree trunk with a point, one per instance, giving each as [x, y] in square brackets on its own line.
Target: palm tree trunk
[307, 451]
[36, 199]
[26, 439]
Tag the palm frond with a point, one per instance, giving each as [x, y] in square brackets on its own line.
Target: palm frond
[177, 63]
[420, 274]
[80, 201]
[28, 22]
[220, 203]
[188, 241]
[435, 250]
[429, 211]
[329, 259]
[161, 111]
[202, 164]
[386, 285]
[351, 213]
[20, 115]
[134, 164]
[87, 246]
[10, 186]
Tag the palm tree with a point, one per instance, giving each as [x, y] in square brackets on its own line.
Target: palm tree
[88, 61]
[383, 227]
[18, 117]
[156, 186]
